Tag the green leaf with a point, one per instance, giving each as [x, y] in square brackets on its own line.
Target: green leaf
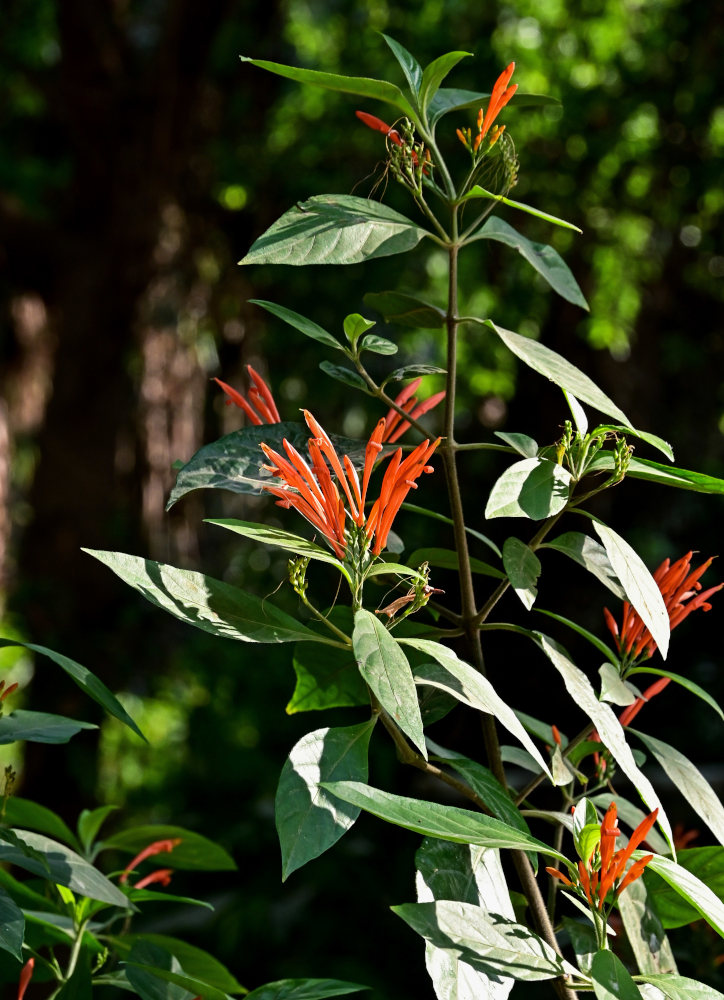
[85, 680]
[480, 192]
[707, 864]
[385, 668]
[194, 853]
[524, 445]
[640, 587]
[546, 261]
[484, 783]
[327, 677]
[452, 99]
[406, 310]
[378, 345]
[335, 229]
[535, 488]
[344, 375]
[652, 439]
[470, 687]
[152, 896]
[466, 874]
[304, 989]
[644, 930]
[448, 559]
[12, 926]
[362, 86]
[196, 962]
[560, 371]
[611, 981]
[431, 819]
[393, 569]
[578, 413]
[583, 940]
[523, 568]
[683, 681]
[448, 520]
[690, 888]
[309, 820]
[690, 782]
[483, 940]
[32, 816]
[89, 824]
[208, 604]
[355, 325]
[64, 866]
[155, 974]
[607, 725]
[587, 552]
[299, 322]
[434, 74]
[593, 639]
[613, 689]
[39, 727]
[281, 539]
[682, 988]
[410, 66]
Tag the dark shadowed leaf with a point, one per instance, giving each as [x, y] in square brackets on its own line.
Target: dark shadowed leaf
[39, 727]
[195, 853]
[410, 66]
[344, 375]
[12, 926]
[299, 322]
[304, 989]
[590, 554]
[523, 568]
[406, 310]
[452, 99]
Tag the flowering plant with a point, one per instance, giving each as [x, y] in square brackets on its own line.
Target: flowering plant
[478, 943]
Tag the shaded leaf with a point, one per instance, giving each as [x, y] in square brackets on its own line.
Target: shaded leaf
[535, 488]
[326, 678]
[309, 820]
[378, 345]
[434, 74]
[410, 66]
[39, 727]
[281, 539]
[385, 668]
[707, 863]
[335, 229]
[523, 568]
[690, 888]
[683, 681]
[546, 261]
[304, 989]
[344, 375]
[590, 554]
[155, 974]
[208, 604]
[196, 962]
[32, 816]
[448, 559]
[453, 99]
[299, 322]
[644, 930]
[89, 823]
[194, 853]
[12, 926]
[593, 639]
[666, 475]
[406, 310]
[654, 440]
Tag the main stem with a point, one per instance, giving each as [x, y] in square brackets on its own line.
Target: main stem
[468, 613]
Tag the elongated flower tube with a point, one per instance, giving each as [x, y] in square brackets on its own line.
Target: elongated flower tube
[395, 425]
[605, 870]
[258, 405]
[373, 122]
[499, 97]
[161, 876]
[310, 488]
[26, 974]
[157, 847]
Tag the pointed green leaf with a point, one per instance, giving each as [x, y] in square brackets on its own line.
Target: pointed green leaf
[434, 74]
[593, 639]
[410, 66]
[470, 687]
[378, 345]
[535, 488]
[362, 86]
[546, 261]
[683, 681]
[480, 192]
[613, 689]
[405, 310]
[652, 439]
[355, 325]
[412, 371]
[327, 677]
[385, 668]
[344, 375]
[308, 819]
[208, 604]
[335, 229]
[155, 974]
[665, 475]
[524, 445]
[281, 539]
[560, 371]
[640, 587]
[485, 941]
[611, 981]
[682, 988]
[89, 823]
[461, 826]
[523, 568]
[85, 680]
[39, 727]
[690, 782]
[644, 930]
[607, 725]
[196, 962]
[63, 866]
[194, 853]
[690, 888]
[32, 816]
[452, 99]
[299, 322]
[578, 413]
[304, 989]
[591, 555]
[12, 926]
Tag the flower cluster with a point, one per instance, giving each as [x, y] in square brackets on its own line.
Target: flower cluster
[500, 96]
[310, 488]
[395, 426]
[604, 870]
[258, 405]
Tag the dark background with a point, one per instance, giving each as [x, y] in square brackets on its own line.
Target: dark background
[139, 161]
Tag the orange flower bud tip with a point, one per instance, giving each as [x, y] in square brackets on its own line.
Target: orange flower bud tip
[8, 691]
[556, 734]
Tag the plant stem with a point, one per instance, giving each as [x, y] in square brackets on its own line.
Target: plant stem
[346, 641]
[534, 782]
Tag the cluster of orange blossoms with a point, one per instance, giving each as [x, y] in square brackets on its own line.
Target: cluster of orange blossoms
[500, 96]
[310, 489]
[682, 593]
[161, 875]
[604, 870]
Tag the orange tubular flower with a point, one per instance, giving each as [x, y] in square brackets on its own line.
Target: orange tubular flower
[310, 489]
[395, 426]
[157, 847]
[26, 974]
[162, 875]
[500, 96]
[259, 405]
[371, 121]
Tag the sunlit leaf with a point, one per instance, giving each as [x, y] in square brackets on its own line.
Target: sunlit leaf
[480, 192]
[522, 443]
[644, 930]
[665, 475]
[696, 892]
[448, 559]
[535, 488]
[434, 74]
[523, 568]
[683, 988]
[281, 539]
[611, 981]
